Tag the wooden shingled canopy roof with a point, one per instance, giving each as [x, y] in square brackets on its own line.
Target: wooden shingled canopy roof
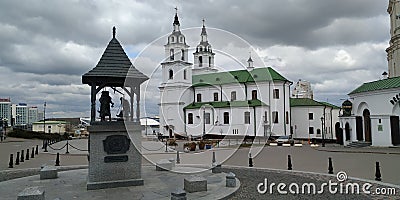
[114, 68]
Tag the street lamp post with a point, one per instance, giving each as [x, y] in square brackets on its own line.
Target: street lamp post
[204, 123]
[323, 128]
[44, 118]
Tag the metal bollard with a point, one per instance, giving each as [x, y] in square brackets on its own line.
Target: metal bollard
[43, 141]
[10, 164]
[58, 159]
[378, 176]
[178, 160]
[213, 157]
[33, 152]
[37, 150]
[22, 156]
[250, 160]
[27, 154]
[67, 152]
[17, 159]
[289, 163]
[45, 147]
[330, 167]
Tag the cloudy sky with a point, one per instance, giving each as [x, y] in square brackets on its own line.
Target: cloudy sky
[46, 45]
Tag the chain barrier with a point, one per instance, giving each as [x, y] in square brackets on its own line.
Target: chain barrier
[77, 148]
[55, 149]
[162, 147]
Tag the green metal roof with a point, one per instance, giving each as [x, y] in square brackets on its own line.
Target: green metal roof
[297, 102]
[238, 76]
[378, 85]
[226, 104]
[330, 105]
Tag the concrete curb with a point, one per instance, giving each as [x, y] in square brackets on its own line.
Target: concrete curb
[356, 151]
[227, 167]
[6, 175]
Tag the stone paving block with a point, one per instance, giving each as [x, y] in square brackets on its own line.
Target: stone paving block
[172, 160]
[231, 180]
[195, 184]
[31, 193]
[216, 168]
[48, 172]
[163, 165]
[179, 194]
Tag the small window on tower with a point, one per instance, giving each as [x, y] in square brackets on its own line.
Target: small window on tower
[233, 96]
[171, 54]
[215, 96]
[209, 61]
[172, 39]
[171, 74]
[183, 55]
[200, 61]
[184, 74]
[254, 94]
[198, 97]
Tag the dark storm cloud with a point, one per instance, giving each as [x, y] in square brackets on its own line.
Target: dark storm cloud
[46, 45]
[299, 22]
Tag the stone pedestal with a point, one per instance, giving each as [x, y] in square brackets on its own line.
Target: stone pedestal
[114, 159]
[195, 183]
[48, 172]
[31, 193]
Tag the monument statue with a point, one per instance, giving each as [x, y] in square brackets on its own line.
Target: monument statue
[105, 101]
[125, 112]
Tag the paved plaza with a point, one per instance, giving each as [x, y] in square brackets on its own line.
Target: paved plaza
[356, 162]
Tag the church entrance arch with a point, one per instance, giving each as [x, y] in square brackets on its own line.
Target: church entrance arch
[347, 131]
[367, 125]
[338, 133]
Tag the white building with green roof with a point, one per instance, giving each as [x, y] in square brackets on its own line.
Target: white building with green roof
[371, 115]
[199, 100]
[313, 119]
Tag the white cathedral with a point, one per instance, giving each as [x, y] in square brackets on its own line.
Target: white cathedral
[198, 100]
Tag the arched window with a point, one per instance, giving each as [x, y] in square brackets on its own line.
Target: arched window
[171, 74]
[254, 94]
[215, 96]
[184, 74]
[209, 61]
[198, 98]
[183, 55]
[200, 61]
[171, 54]
[226, 117]
[233, 96]
[246, 117]
[190, 118]
[172, 39]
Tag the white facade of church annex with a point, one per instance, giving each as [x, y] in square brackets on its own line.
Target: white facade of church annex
[197, 100]
[373, 109]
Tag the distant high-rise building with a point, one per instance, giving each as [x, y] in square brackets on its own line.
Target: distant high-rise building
[5, 111]
[302, 89]
[20, 114]
[33, 115]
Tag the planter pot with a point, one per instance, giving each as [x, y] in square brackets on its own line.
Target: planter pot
[273, 144]
[201, 146]
[286, 145]
[192, 147]
[298, 145]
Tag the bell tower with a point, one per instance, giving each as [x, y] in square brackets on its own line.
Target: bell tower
[175, 88]
[204, 56]
[393, 51]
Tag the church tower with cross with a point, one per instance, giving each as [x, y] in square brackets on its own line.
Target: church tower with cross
[393, 51]
[203, 56]
[176, 81]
